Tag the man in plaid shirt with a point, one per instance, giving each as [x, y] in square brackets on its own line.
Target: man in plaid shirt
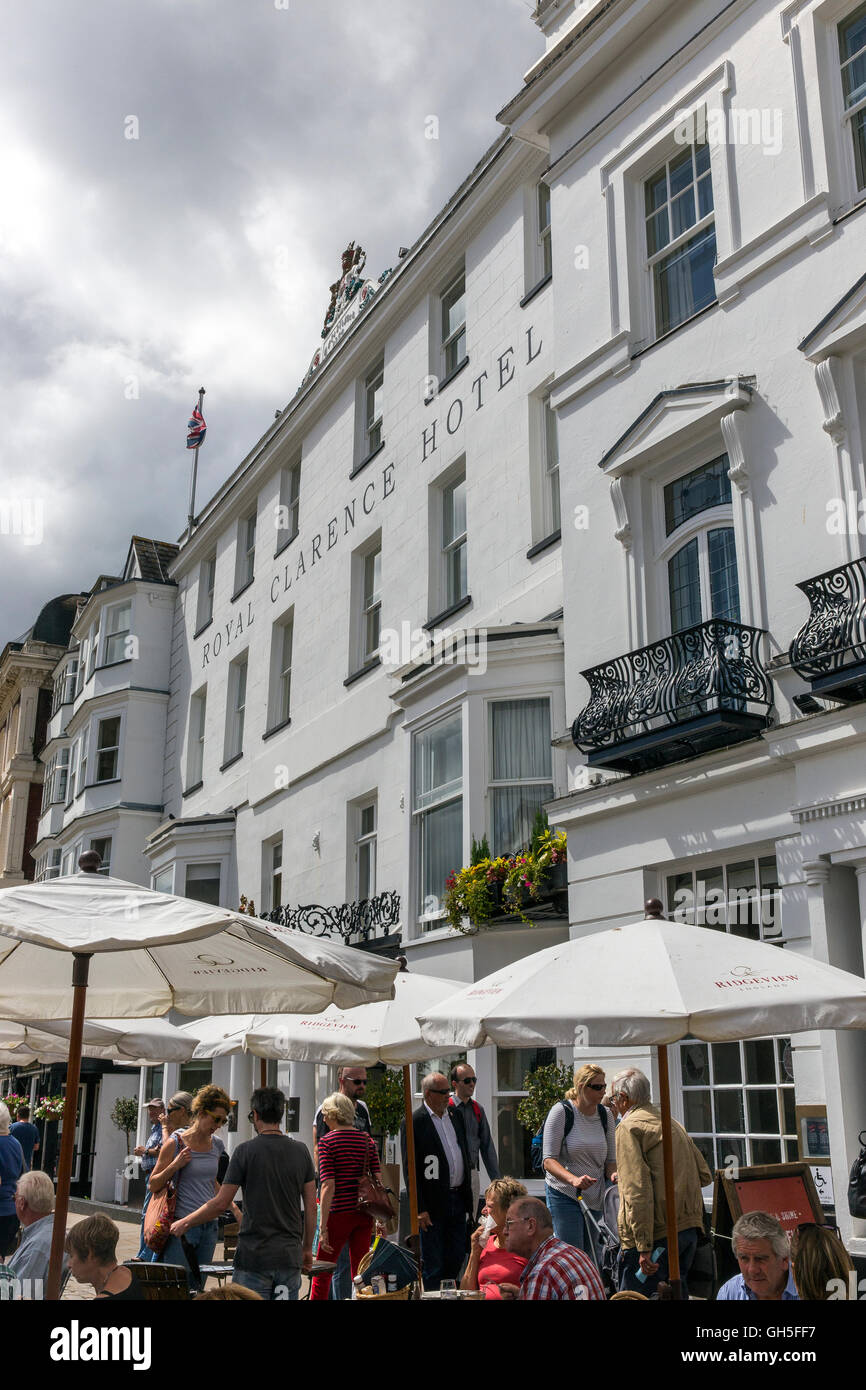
[554, 1270]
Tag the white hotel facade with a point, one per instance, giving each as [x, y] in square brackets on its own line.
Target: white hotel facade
[605, 419]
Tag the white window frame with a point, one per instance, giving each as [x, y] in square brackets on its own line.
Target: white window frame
[96, 841]
[236, 699]
[458, 542]
[666, 546]
[112, 634]
[110, 748]
[450, 341]
[724, 1141]
[653, 259]
[245, 562]
[71, 773]
[280, 684]
[157, 876]
[206, 587]
[81, 781]
[198, 864]
[366, 844]
[450, 792]
[365, 605]
[61, 769]
[550, 474]
[289, 501]
[372, 437]
[272, 873]
[543, 231]
[196, 738]
[49, 865]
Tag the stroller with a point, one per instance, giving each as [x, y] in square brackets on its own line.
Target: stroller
[604, 1239]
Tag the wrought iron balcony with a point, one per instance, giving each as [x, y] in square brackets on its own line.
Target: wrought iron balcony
[354, 922]
[697, 690]
[830, 648]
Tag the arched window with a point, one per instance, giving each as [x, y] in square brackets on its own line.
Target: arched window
[702, 570]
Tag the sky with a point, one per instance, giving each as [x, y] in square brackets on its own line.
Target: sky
[179, 179]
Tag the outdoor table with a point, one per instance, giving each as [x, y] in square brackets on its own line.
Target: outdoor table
[219, 1269]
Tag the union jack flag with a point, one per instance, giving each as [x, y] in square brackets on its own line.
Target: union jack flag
[196, 429]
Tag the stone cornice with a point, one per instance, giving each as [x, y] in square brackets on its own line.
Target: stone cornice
[827, 810]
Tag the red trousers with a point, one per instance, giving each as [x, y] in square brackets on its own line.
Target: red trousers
[351, 1226]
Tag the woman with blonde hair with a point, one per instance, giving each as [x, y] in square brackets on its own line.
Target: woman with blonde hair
[820, 1264]
[191, 1157]
[579, 1156]
[490, 1263]
[345, 1154]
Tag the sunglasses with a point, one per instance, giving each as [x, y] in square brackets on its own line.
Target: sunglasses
[595, 1086]
[468, 1081]
[220, 1119]
[434, 1091]
[357, 1083]
[174, 1107]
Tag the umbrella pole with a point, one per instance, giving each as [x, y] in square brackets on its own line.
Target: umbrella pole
[80, 970]
[412, 1175]
[263, 1073]
[670, 1188]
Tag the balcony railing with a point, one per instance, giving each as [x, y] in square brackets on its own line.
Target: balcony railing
[830, 648]
[361, 921]
[684, 695]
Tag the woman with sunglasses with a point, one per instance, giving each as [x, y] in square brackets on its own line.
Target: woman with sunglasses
[578, 1163]
[191, 1157]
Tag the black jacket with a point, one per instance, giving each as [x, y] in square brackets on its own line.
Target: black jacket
[431, 1166]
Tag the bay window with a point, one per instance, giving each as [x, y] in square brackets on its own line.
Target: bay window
[520, 770]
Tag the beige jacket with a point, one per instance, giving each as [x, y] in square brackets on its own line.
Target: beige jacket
[640, 1175]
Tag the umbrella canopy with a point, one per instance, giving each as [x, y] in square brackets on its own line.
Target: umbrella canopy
[381, 1032]
[134, 1041]
[651, 982]
[152, 952]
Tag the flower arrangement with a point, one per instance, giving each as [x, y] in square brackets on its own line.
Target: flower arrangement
[49, 1108]
[14, 1103]
[508, 883]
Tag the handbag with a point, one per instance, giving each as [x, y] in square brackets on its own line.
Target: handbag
[159, 1215]
[373, 1199]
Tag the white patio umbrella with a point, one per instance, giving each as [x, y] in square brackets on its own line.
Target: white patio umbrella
[151, 952]
[651, 982]
[385, 1032]
[133, 1041]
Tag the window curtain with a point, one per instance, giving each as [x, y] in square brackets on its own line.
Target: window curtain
[521, 751]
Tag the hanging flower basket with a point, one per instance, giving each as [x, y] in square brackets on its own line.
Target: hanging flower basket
[49, 1108]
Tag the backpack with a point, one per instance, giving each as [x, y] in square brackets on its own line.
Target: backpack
[536, 1151]
[857, 1182]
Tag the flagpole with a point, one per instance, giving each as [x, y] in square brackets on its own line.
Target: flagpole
[194, 472]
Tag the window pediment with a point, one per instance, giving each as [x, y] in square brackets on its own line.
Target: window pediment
[843, 329]
[672, 419]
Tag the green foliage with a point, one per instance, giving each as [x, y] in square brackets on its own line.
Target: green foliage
[480, 851]
[125, 1115]
[545, 1087]
[384, 1100]
[540, 829]
[488, 887]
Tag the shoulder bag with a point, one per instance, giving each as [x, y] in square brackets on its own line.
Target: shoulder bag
[373, 1199]
[160, 1214]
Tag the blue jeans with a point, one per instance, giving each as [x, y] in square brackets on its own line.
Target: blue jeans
[688, 1244]
[568, 1222]
[203, 1240]
[144, 1251]
[273, 1285]
[341, 1283]
[443, 1247]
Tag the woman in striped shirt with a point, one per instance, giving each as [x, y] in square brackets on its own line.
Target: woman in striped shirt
[345, 1153]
